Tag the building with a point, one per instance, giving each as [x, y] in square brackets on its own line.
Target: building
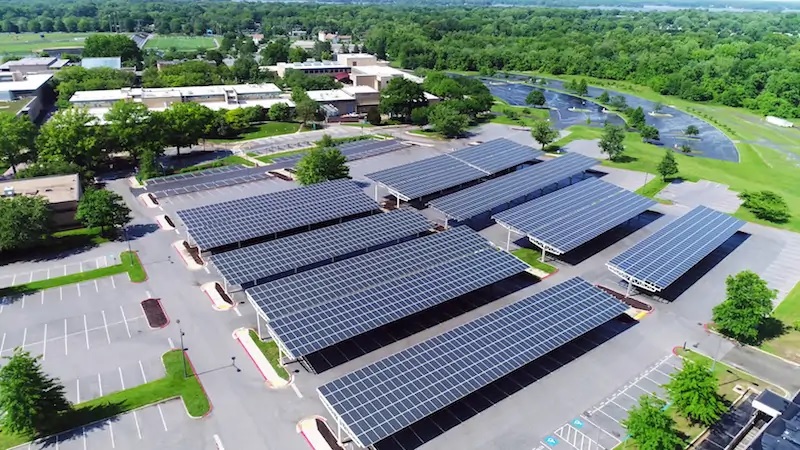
[357, 59]
[26, 94]
[366, 97]
[337, 38]
[311, 68]
[158, 99]
[780, 421]
[62, 192]
[34, 65]
[335, 102]
[377, 77]
[114, 62]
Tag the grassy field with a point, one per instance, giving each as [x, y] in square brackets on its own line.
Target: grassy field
[531, 257]
[180, 42]
[653, 187]
[129, 262]
[526, 116]
[172, 385]
[24, 43]
[270, 351]
[787, 345]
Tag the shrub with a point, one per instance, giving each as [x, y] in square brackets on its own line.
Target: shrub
[766, 205]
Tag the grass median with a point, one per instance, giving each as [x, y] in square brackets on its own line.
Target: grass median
[270, 351]
[129, 262]
[532, 258]
[653, 187]
[172, 385]
[787, 342]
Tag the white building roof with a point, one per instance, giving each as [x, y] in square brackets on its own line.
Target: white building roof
[100, 113]
[113, 62]
[353, 90]
[187, 91]
[329, 95]
[31, 82]
[385, 71]
[313, 65]
[30, 61]
[104, 95]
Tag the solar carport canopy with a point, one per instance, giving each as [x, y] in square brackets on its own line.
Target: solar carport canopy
[324, 284]
[259, 262]
[381, 399]
[239, 220]
[326, 324]
[491, 194]
[431, 175]
[565, 219]
[657, 261]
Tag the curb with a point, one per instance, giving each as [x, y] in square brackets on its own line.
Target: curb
[203, 388]
[161, 305]
[266, 380]
[709, 330]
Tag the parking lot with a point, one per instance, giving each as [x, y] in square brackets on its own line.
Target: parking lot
[600, 427]
[59, 270]
[201, 198]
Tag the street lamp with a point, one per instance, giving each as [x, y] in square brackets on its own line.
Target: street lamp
[183, 349]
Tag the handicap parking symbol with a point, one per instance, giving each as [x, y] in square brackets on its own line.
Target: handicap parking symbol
[551, 441]
[577, 423]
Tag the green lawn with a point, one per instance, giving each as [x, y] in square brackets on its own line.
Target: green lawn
[172, 385]
[526, 116]
[267, 129]
[24, 43]
[430, 134]
[531, 257]
[270, 351]
[653, 187]
[787, 345]
[167, 42]
[12, 107]
[129, 262]
[226, 161]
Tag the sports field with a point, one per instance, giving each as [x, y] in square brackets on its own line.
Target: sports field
[181, 42]
[24, 43]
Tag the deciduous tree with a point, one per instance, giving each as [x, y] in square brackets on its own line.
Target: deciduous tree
[70, 136]
[128, 127]
[447, 120]
[102, 208]
[280, 112]
[16, 143]
[30, 399]
[651, 426]
[321, 164]
[374, 116]
[611, 143]
[693, 391]
[668, 167]
[604, 98]
[637, 119]
[691, 130]
[747, 304]
[535, 98]
[306, 110]
[185, 123]
[543, 133]
[649, 133]
[400, 97]
[24, 221]
[766, 205]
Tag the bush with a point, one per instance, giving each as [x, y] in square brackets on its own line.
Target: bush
[766, 205]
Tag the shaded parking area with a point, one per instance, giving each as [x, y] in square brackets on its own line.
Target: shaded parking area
[600, 427]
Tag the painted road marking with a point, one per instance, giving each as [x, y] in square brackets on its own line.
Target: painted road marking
[218, 441]
[2, 343]
[577, 423]
[125, 319]
[121, 380]
[78, 395]
[86, 331]
[296, 391]
[163, 422]
[136, 419]
[44, 343]
[141, 367]
[100, 384]
[105, 323]
[551, 441]
[111, 431]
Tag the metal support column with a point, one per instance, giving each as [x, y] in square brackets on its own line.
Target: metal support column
[398, 201]
[376, 192]
[258, 321]
[446, 222]
[544, 254]
[628, 290]
[508, 241]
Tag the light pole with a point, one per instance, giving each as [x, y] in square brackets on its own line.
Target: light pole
[127, 241]
[183, 349]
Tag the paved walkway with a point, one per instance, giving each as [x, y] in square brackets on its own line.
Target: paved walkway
[764, 366]
[784, 271]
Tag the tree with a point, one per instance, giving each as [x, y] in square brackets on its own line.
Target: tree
[185, 123]
[280, 112]
[102, 208]
[24, 221]
[104, 45]
[128, 127]
[298, 54]
[691, 130]
[306, 110]
[238, 119]
[374, 116]
[685, 148]
[649, 133]
[18, 133]
[693, 392]
[766, 205]
[543, 133]
[611, 143]
[447, 120]
[275, 52]
[668, 167]
[419, 116]
[637, 119]
[245, 69]
[617, 103]
[321, 164]
[30, 399]
[535, 98]
[70, 136]
[658, 107]
[400, 97]
[747, 304]
[604, 98]
[651, 426]
[582, 88]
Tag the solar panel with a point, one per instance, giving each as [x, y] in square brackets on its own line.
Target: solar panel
[431, 175]
[324, 284]
[197, 174]
[321, 326]
[565, 219]
[384, 397]
[352, 151]
[664, 256]
[491, 194]
[259, 262]
[225, 223]
[240, 177]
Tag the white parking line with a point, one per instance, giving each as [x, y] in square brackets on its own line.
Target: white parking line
[604, 413]
[81, 266]
[66, 346]
[125, 319]
[43, 297]
[600, 428]
[2, 343]
[96, 287]
[218, 441]
[141, 367]
[111, 430]
[105, 324]
[23, 301]
[113, 284]
[238, 313]
[83, 430]
[24, 337]
[61, 293]
[14, 279]
[121, 380]
[296, 391]
[48, 273]
[100, 384]
[171, 344]
[79, 289]
[86, 330]
[136, 419]
[78, 394]
[163, 422]
[30, 278]
[44, 343]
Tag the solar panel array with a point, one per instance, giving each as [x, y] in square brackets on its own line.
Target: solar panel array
[664, 256]
[304, 290]
[198, 174]
[225, 223]
[574, 215]
[384, 397]
[431, 175]
[238, 177]
[491, 194]
[261, 261]
[326, 324]
[352, 151]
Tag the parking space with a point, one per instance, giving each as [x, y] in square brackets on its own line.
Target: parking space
[16, 279]
[201, 198]
[90, 386]
[150, 427]
[600, 427]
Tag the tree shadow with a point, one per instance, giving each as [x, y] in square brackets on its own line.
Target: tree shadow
[770, 328]
[140, 230]
[625, 159]
[75, 423]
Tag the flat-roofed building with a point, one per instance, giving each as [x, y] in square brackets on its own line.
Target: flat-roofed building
[26, 94]
[357, 59]
[335, 102]
[366, 97]
[311, 68]
[157, 99]
[33, 65]
[114, 62]
[62, 192]
[378, 77]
